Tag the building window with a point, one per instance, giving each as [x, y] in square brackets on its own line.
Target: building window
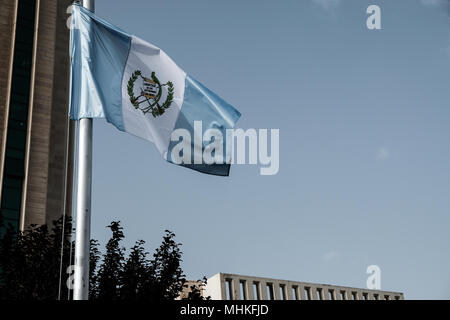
[242, 285]
[283, 295]
[331, 294]
[229, 289]
[256, 294]
[270, 294]
[16, 135]
[319, 294]
[308, 293]
[295, 292]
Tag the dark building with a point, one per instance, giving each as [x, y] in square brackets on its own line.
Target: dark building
[36, 141]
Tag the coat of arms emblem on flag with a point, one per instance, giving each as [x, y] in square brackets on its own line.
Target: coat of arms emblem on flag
[150, 94]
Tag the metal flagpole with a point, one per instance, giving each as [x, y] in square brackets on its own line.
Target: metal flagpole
[83, 219]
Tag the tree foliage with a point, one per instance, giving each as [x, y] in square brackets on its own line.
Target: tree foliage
[30, 266]
[30, 262]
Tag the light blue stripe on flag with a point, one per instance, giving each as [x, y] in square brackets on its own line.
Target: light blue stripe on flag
[201, 104]
[99, 53]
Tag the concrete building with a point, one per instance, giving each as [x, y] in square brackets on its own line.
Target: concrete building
[35, 134]
[224, 286]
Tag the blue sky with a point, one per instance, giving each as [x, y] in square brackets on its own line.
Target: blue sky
[364, 142]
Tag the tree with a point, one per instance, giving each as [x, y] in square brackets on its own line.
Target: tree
[30, 261]
[196, 290]
[30, 265]
[110, 269]
[94, 258]
[169, 277]
[136, 275]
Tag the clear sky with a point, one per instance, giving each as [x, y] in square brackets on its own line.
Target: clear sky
[364, 121]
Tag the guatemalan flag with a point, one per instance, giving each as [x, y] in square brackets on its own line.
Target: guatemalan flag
[140, 90]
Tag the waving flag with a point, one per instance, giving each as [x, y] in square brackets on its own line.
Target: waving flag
[140, 90]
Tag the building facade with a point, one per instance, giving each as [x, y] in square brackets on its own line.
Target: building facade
[36, 137]
[223, 286]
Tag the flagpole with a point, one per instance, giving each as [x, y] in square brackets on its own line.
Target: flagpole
[84, 187]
